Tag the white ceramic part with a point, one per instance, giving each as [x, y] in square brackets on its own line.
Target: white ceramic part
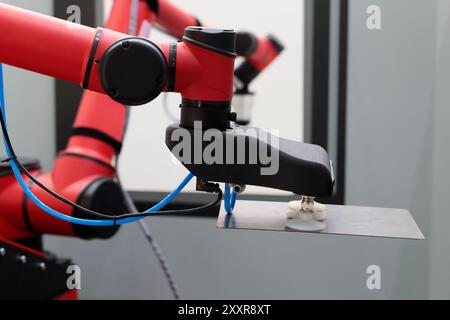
[319, 207]
[291, 214]
[243, 105]
[320, 215]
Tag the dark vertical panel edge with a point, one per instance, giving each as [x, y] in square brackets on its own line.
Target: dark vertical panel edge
[320, 75]
[308, 72]
[342, 103]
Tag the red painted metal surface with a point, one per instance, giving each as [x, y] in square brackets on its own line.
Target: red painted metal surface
[202, 74]
[61, 49]
[174, 19]
[70, 174]
[68, 295]
[264, 54]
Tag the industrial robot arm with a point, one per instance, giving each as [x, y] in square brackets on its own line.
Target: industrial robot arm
[131, 70]
[134, 71]
[84, 171]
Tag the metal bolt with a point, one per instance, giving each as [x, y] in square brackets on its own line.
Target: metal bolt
[23, 259]
[238, 188]
[307, 204]
[2, 252]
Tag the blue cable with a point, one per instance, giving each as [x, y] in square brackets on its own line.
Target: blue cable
[229, 199]
[233, 200]
[2, 94]
[62, 216]
[226, 199]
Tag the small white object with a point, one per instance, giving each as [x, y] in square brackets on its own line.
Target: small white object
[319, 207]
[243, 105]
[319, 210]
[292, 214]
[306, 223]
[297, 206]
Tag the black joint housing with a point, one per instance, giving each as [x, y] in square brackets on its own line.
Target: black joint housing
[133, 71]
[246, 73]
[208, 114]
[246, 44]
[101, 195]
[153, 5]
[219, 40]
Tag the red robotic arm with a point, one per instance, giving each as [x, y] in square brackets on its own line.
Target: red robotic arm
[171, 18]
[259, 52]
[165, 15]
[132, 71]
[51, 46]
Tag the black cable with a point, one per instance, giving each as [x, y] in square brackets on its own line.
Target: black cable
[182, 211]
[91, 212]
[143, 226]
[156, 249]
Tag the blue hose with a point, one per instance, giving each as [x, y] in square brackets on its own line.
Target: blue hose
[229, 199]
[62, 216]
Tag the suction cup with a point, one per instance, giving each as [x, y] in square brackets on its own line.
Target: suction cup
[306, 222]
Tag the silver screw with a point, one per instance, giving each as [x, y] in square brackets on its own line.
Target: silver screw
[307, 204]
[23, 259]
[238, 188]
[2, 252]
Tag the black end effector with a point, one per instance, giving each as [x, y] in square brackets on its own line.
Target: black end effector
[301, 168]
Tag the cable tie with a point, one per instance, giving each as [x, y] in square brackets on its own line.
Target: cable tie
[9, 159]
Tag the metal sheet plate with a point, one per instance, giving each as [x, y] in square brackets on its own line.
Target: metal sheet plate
[342, 220]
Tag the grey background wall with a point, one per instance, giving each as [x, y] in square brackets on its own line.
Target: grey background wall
[398, 156]
[397, 143]
[30, 103]
[390, 126]
[440, 244]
